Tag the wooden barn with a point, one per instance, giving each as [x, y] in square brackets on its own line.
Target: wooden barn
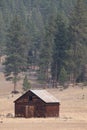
[36, 103]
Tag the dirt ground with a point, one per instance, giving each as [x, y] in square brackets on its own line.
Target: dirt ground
[73, 110]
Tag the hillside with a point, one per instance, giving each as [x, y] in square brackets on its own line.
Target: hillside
[50, 34]
[37, 12]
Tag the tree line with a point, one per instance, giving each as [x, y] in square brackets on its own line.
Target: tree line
[47, 35]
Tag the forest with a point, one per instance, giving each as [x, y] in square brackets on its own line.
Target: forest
[50, 35]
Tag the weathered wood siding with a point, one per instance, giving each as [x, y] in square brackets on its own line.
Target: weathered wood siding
[52, 110]
[30, 105]
[29, 108]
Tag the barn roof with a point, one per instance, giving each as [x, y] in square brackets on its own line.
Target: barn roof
[45, 96]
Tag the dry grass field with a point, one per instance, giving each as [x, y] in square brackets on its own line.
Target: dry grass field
[73, 110]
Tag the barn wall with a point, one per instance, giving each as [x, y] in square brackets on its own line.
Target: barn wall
[35, 107]
[29, 108]
[52, 110]
[19, 110]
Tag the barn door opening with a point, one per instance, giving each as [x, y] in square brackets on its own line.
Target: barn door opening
[29, 111]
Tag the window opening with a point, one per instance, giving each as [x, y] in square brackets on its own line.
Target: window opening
[30, 98]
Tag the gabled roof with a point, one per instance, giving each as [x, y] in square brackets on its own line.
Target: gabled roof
[45, 96]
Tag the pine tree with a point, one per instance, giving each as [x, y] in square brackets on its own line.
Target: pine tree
[63, 77]
[78, 38]
[16, 51]
[26, 84]
[59, 49]
[2, 35]
[45, 53]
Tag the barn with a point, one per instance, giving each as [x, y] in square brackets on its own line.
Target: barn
[37, 103]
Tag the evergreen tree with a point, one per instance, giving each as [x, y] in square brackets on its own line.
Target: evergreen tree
[63, 77]
[78, 38]
[26, 84]
[59, 49]
[45, 54]
[16, 51]
[44, 61]
[2, 35]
